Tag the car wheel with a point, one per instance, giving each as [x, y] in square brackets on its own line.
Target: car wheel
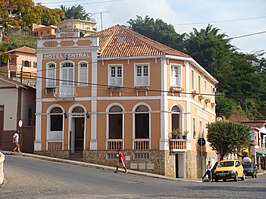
[224, 180]
[243, 177]
[236, 177]
[216, 179]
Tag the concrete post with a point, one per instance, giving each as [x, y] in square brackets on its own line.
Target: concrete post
[2, 159]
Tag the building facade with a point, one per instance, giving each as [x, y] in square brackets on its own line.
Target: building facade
[83, 26]
[120, 90]
[17, 102]
[21, 66]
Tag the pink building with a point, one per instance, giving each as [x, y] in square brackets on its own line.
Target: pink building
[22, 63]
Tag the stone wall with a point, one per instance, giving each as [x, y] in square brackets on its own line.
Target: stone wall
[148, 161]
[57, 154]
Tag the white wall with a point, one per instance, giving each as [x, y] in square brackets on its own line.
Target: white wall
[8, 98]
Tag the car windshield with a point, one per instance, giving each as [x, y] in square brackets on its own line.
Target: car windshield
[247, 166]
[226, 164]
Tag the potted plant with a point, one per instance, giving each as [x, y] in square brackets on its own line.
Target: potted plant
[185, 134]
[176, 134]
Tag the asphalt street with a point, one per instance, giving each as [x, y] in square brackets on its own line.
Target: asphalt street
[27, 177]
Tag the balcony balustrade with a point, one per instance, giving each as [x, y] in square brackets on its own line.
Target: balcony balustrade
[114, 144]
[65, 93]
[178, 145]
[141, 144]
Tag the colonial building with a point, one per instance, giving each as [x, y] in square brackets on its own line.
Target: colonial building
[120, 90]
[17, 103]
[21, 66]
[83, 26]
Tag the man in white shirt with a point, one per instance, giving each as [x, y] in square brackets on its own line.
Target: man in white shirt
[16, 141]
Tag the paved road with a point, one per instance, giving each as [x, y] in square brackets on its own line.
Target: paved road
[34, 178]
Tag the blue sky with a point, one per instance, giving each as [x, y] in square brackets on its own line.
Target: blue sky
[240, 17]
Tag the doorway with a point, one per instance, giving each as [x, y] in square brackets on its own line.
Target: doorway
[179, 165]
[77, 135]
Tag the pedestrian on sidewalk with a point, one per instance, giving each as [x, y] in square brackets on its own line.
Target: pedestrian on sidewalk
[208, 171]
[213, 169]
[16, 141]
[121, 161]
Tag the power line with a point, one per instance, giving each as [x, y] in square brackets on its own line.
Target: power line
[122, 87]
[87, 3]
[248, 35]
[221, 21]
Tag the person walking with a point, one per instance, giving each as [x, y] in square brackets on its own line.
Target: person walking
[121, 161]
[208, 171]
[16, 141]
[213, 169]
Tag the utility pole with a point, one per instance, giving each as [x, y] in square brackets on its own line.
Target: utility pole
[101, 17]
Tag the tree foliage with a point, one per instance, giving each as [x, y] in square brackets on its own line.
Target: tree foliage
[156, 30]
[75, 12]
[51, 16]
[242, 77]
[228, 137]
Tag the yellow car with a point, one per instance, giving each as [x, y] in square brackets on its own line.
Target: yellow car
[229, 169]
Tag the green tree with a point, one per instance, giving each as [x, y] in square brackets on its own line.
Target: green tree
[228, 137]
[225, 106]
[75, 12]
[51, 16]
[24, 13]
[157, 30]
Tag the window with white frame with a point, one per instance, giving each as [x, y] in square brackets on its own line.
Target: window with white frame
[199, 84]
[194, 128]
[67, 74]
[175, 75]
[205, 86]
[201, 130]
[56, 124]
[115, 75]
[192, 79]
[51, 75]
[83, 74]
[142, 75]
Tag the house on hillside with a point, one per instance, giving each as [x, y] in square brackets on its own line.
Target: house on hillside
[121, 90]
[17, 102]
[82, 26]
[45, 31]
[21, 66]
[258, 142]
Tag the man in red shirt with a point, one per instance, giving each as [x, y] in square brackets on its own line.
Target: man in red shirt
[121, 161]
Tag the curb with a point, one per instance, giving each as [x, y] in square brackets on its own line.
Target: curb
[97, 166]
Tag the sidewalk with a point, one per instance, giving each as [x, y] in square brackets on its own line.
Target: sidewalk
[97, 166]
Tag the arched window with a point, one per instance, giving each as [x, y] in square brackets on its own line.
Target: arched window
[56, 119]
[176, 118]
[115, 122]
[51, 75]
[83, 74]
[78, 109]
[142, 122]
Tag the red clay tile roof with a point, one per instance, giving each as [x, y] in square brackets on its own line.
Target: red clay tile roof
[255, 123]
[23, 49]
[119, 41]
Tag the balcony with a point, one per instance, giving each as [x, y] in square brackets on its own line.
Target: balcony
[178, 145]
[114, 144]
[141, 144]
[65, 93]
